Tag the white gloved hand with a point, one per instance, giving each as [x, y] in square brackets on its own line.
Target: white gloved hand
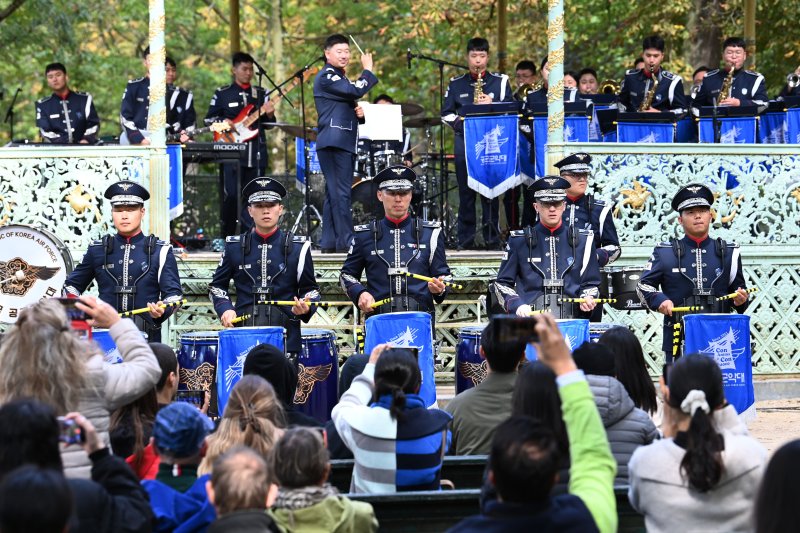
[524, 310]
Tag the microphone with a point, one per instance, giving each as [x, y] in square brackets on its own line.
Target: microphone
[408, 58]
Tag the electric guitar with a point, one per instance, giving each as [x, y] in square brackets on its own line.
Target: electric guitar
[216, 127]
[241, 129]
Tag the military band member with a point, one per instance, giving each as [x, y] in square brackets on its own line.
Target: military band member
[135, 106]
[748, 88]
[226, 104]
[132, 271]
[584, 211]
[539, 96]
[266, 263]
[181, 116]
[549, 256]
[669, 94]
[335, 98]
[389, 248]
[524, 74]
[693, 270]
[791, 91]
[460, 92]
[66, 116]
[587, 81]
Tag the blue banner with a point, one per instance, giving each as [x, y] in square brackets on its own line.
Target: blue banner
[686, 131]
[526, 164]
[539, 142]
[491, 144]
[174, 153]
[772, 128]
[406, 330]
[300, 161]
[726, 338]
[793, 126]
[739, 130]
[234, 345]
[575, 331]
[610, 137]
[576, 129]
[595, 135]
[645, 132]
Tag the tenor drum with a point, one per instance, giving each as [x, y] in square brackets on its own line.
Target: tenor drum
[596, 329]
[34, 264]
[471, 368]
[317, 374]
[622, 286]
[197, 364]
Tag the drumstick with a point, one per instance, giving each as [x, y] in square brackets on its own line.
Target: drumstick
[380, 303]
[147, 309]
[733, 295]
[687, 308]
[582, 300]
[428, 278]
[291, 302]
[538, 312]
[676, 338]
[240, 319]
[355, 43]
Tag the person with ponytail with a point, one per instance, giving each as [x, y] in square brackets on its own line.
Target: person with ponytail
[398, 443]
[701, 476]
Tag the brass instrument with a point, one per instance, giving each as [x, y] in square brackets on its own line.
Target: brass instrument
[647, 101]
[523, 91]
[609, 87]
[725, 91]
[792, 80]
[478, 89]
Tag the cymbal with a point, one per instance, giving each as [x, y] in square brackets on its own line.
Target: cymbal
[410, 108]
[423, 122]
[297, 131]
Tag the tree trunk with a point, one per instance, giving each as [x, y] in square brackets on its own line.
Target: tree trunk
[704, 38]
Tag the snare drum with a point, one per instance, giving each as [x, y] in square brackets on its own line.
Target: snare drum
[234, 345]
[197, 363]
[596, 329]
[35, 265]
[317, 374]
[471, 368]
[622, 282]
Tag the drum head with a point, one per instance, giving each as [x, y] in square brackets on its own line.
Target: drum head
[309, 334]
[34, 264]
[199, 336]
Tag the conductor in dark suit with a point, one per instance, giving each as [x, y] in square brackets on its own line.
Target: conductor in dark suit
[335, 97]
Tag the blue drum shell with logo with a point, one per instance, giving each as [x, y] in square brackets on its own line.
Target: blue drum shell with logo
[234, 345]
[317, 374]
[575, 331]
[470, 366]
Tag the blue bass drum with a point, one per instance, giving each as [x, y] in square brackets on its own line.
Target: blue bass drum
[197, 364]
[471, 368]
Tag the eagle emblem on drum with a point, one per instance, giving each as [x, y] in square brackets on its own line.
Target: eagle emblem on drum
[17, 276]
[476, 372]
[200, 378]
[306, 377]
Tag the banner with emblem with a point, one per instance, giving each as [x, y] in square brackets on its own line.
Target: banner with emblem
[491, 144]
[575, 331]
[793, 125]
[406, 330]
[174, 153]
[576, 129]
[645, 132]
[300, 162]
[738, 130]
[526, 162]
[539, 143]
[726, 338]
[234, 345]
[772, 128]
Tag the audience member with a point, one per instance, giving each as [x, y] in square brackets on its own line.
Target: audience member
[382, 410]
[352, 367]
[630, 367]
[35, 499]
[271, 364]
[477, 411]
[776, 510]
[253, 417]
[696, 479]
[131, 425]
[178, 497]
[112, 501]
[305, 501]
[240, 490]
[42, 358]
[525, 458]
[627, 426]
[167, 385]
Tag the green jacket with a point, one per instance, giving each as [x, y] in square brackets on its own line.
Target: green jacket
[333, 514]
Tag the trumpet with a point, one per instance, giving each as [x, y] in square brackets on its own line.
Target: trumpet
[792, 79]
[609, 87]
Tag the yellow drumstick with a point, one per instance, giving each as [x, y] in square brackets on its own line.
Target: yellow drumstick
[291, 302]
[428, 278]
[687, 308]
[582, 300]
[240, 319]
[355, 43]
[733, 295]
[147, 309]
[380, 303]
[676, 338]
[538, 312]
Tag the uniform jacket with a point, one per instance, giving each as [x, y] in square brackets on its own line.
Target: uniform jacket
[67, 120]
[537, 253]
[382, 245]
[116, 262]
[587, 212]
[669, 95]
[180, 110]
[228, 101]
[280, 265]
[539, 96]
[701, 267]
[335, 97]
[461, 92]
[747, 86]
[134, 109]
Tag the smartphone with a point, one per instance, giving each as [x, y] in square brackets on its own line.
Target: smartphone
[194, 397]
[77, 318]
[513, 328]
[69, 431]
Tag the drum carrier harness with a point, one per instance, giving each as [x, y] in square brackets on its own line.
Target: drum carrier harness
[266, 315]
[398, 282]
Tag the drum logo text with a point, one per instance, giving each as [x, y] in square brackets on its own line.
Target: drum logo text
[722, 350]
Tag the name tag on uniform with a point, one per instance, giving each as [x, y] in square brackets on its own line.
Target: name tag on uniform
[379, 251]
[55, 116]
[679, 270]
[536, 259]
[140, 99]
[463, 95]
[233, 104]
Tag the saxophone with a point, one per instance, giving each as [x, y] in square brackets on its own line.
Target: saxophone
[651, 93]
[478, 89]
[725, 91]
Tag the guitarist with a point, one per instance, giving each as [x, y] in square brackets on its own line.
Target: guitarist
[226, 104]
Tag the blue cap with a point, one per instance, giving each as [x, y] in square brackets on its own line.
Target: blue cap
[580, 163]
[549, 189]
[264, 190]
[692, 195]
[126, 192]
[395, 178]
[180, 429]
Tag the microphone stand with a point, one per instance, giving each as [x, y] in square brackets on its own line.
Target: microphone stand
[10, 113]
[442, 163]
[715, 122]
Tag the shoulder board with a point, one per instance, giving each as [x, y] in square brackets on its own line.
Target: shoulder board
[712, 72]
[159, 242]
[517, 233]
[98, 242]
[752, 73]
[631, 71]
[299, 238]
[81, 93]
[137, 80]
[233, 238]
[43, 100]
[583, 231]
[664, 245]
[667, 74]
[498, 74]
[732, 244]
[327, 68]
[362, 227]
[454, 78]
[599, 201]
[222, 87]
[431, 224]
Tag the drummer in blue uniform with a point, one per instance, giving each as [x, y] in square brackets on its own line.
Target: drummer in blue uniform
[132, 271]
[548, 258]
[694, 270]
[266, 263]
[389, 248]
